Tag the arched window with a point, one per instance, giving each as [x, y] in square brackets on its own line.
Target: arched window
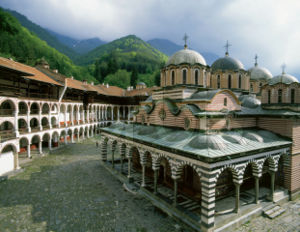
[218, 82]
[279, 95]
[184, 76]
[225, 101]
[269, 96]
[196, 77]
[260, 84]
[229, 81]
[292, 96]
[173, 77]
[240, 81]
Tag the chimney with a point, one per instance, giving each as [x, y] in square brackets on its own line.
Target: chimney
[92, 83]
[84, 82]
[72, 77]
[11, 59]
[107, 85]
[55, 70]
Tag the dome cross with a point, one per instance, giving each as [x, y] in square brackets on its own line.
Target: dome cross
[283, 66]
[255, 59]
[227, 45]
[185, 38]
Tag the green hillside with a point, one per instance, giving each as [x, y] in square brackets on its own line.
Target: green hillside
[43, 34]
[129, 53]
[22, 45]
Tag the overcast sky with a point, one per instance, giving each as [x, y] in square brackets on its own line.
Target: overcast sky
[270, 28]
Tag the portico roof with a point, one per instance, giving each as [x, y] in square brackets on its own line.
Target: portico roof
[200, 144]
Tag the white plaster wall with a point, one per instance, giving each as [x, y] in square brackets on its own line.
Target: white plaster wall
[6, 162]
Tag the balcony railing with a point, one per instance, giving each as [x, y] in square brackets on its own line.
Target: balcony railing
[34, 111]
[23, 130]
[6, 112]
[7, 135]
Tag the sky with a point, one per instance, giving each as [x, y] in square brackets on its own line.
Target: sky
[268, 28]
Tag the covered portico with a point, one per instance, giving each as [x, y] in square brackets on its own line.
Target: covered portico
[208, 177]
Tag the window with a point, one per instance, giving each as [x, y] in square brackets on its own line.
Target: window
[218, 82]
[173, 78]
[279, 95]
[292, 96]
[260, 84]
[225, 101]
[229, 81]
[269, 96]
[240, 81]
[184, 76]
[196, 77]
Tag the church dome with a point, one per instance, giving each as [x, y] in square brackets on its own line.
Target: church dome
[283, 78]
[227, 63]
[259, 73]
[186, 56]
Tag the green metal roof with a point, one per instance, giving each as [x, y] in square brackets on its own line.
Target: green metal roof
[198, 144]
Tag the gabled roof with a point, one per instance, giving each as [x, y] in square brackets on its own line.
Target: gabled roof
[36, 74]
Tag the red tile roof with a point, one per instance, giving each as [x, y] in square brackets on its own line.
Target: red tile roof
[37, 75]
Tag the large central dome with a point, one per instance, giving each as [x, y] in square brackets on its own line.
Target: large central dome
[227, 64]
[186, 56]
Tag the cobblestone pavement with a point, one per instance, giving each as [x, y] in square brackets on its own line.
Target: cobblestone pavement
[289, 221]
[70, 191]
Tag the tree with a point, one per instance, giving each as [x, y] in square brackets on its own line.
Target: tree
[121, 79]
[134, 76]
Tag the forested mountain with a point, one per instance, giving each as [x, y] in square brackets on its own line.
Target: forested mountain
[24, 46]
[79, 46]
[43, 34]
[129, 53]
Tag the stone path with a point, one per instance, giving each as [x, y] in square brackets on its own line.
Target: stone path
[289, 221]
[70, 191]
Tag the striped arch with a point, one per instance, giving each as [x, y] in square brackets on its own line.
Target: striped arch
[156, 158]
[235, 173]
[180, 165]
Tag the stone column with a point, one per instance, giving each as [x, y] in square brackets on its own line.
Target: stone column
[128, 113]
[50, 145]
[40, 148]
[72, 137]
[88, 116]
[237, 197]
[17, 133]
[16, 158]
[40, 120]
[118, 113]
[129, 167]
[87, 133]
[78, 136]
[28, 151]
[256, 189]
[143, 175]
[28, 121]
[65, 118]
[49, 119]
[112, 113]
[175, 192]
[272, 173]
[155, 180]
[208, 188]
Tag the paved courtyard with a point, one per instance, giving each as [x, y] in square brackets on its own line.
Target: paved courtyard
[69, 190]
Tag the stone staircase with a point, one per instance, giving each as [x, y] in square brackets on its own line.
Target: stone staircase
[273, 211]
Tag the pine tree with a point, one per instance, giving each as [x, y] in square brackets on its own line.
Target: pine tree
[134, 76]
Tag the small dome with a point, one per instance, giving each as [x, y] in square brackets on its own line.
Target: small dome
[186, 56]
[259, 73]
[227, 64]
[249, 101]
[141, 83]
[283, 78]
[214, 142]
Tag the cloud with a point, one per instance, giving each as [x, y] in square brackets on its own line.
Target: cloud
[269, 28]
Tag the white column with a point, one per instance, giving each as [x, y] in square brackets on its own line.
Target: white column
[17, 133]
[40, 120]
[72, 138]
[28, 151]
[112, 113]
[50, 144]
[118, 113]
[40, 147]
[88, 116]
[71, 117]
[28, 121]
[49, 120]
[78, 136]
[123, 112]
[66, 140]
[128, 113]
[65, 114]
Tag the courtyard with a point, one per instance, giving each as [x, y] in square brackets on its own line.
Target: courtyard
[69, 190]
